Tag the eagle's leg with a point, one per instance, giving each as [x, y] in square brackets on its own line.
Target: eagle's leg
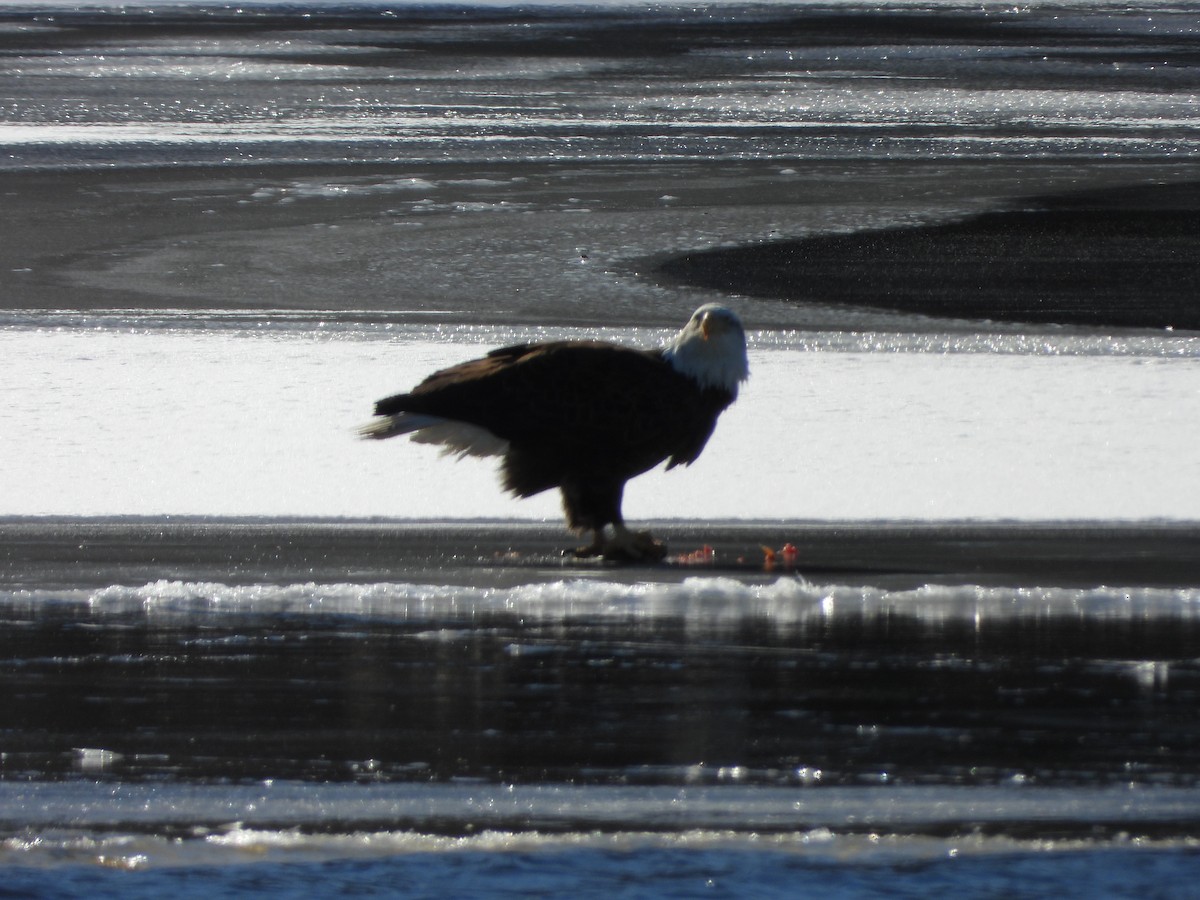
[594, 504]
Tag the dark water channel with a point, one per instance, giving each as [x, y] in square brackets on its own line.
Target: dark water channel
[849, 699]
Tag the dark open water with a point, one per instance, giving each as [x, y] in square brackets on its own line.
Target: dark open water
[284, 707]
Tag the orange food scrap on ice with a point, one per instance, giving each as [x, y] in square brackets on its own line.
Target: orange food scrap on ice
[702, 557]
[787, 556]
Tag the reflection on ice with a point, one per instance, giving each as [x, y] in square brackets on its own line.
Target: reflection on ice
[827, 84]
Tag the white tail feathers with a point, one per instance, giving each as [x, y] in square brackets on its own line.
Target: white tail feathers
[459, 438]
[385, 427]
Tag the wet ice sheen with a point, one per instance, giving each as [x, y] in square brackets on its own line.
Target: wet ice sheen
[901, 96]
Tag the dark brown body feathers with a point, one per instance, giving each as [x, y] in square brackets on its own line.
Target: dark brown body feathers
[582, 416]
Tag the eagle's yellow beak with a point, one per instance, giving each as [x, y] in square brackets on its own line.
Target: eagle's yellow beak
[706, 326]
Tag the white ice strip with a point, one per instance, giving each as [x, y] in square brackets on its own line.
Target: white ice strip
[234, 422]
[822, 846]
[703, 601]
[83, 805]
[276, 821]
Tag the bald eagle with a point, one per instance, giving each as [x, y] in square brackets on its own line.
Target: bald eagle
[582, 416]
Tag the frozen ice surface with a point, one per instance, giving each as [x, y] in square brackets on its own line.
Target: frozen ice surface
[134, 416]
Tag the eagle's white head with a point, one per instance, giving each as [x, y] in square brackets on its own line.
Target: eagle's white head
[711, 348]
